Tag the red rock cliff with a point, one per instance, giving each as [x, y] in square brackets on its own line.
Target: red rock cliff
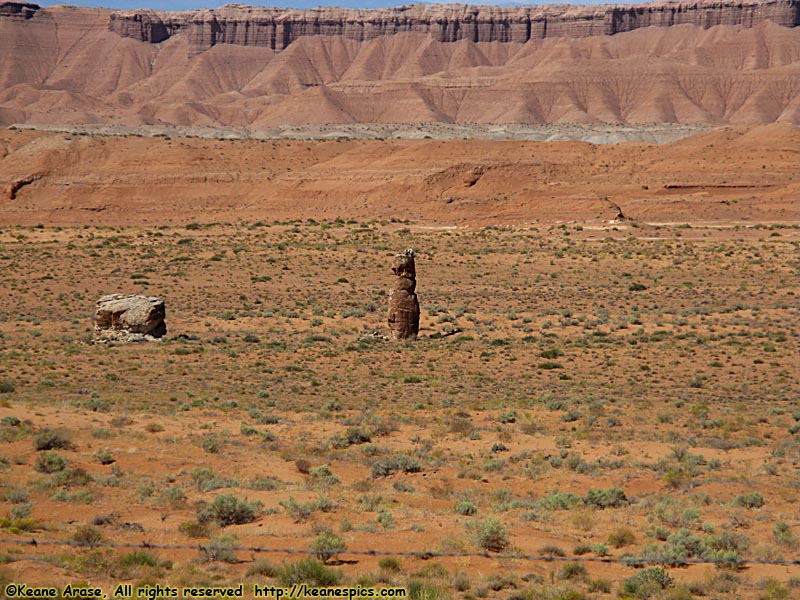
[277, 28]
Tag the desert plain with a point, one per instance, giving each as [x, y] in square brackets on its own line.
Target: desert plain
[606, 368]
[603, 401]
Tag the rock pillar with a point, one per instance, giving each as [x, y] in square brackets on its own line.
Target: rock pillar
[403, 304]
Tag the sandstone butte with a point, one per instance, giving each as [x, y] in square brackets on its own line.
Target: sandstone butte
[714, 62]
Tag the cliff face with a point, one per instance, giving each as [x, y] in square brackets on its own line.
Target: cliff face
[277, 28]
[19, 10]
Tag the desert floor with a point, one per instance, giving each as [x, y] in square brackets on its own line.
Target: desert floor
[579, 390]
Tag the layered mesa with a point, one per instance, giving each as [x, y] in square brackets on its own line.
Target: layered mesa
[701, 62]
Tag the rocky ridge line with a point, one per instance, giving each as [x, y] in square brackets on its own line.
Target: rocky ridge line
[277, 28]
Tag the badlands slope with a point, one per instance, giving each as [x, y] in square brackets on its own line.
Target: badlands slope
[726, 177]
[710, 63]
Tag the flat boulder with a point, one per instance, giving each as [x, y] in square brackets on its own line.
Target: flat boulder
[129, 318]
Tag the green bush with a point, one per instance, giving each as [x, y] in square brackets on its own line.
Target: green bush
[299, 512]
[266, 483]
[573, 570]
[490, 535]
[390, 563]
[206, 480]
[221, 548]
[559, 501]
[87, 535]
[466, 508]
[646, 583]
[50, 462]
[621, 537]
[227, 509]
[308, 570]
[608, 498]
[139, 558]
[262, 567]
[393, 464]
[104, 457]
[752, 500]
[51, 440]
[193, 529]
[327, 545]
[174, 497]
[322, 475]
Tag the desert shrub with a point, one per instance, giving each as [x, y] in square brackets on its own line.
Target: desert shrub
[390, 563]
[602, 586]
[221, 548]
[266, 483]
[298, 512]
[307, 570]
[393, 464]
[104, 457]
[621, 537]
[206, 480]
[19, 525]
[460, 582]
[193, 529]
[76, 497]
[174, 497]
[6, 387]
[573, 570]
[581, 549]
[50, 462]
[141, 558]
[752, 500]
[783, 534]
[86, 535]
[549, 365]
[608, 498]
[402, 486]
[774, 590]
[552, 550]
[351, 437]
[466, 508]
[50, 439]
[559, 501]
[76, 477]
[327, 545]
[421, 589]
[385, 519]
[227, 509]
[490, 535]
[302, 512]
[646, 583]
[671, 512]
[263, 568]
[726, 548]
[689, 544]
[322, 475]
[16, 495]
[507, 417]
[211, 444]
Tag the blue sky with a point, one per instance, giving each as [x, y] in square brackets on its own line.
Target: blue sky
[194, 4]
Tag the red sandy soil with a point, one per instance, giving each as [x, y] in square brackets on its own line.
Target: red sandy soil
[727, 176]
